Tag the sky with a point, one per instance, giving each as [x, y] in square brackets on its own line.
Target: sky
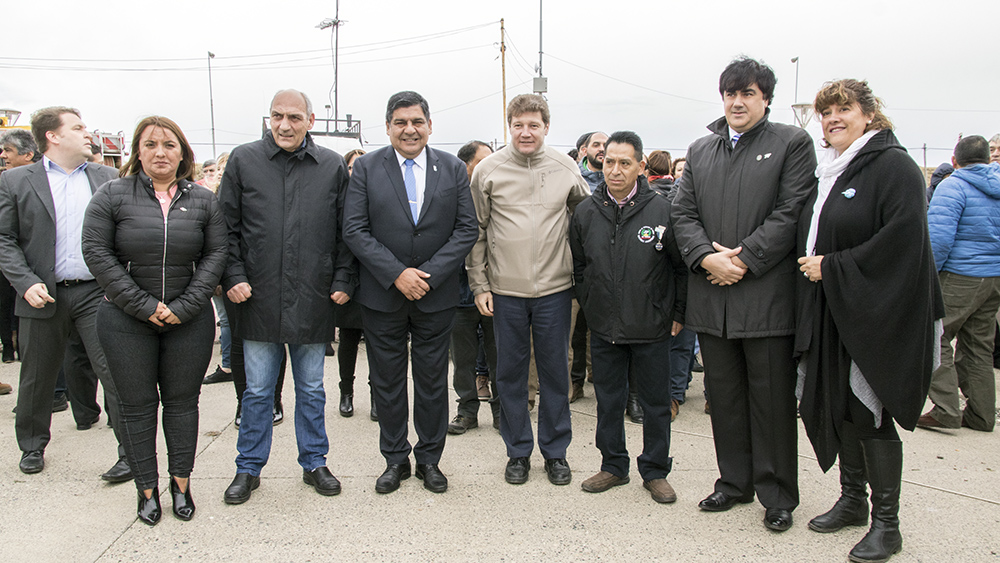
[649, 66]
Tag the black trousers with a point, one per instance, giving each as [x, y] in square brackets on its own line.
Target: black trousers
[347, 358]
[385, 335]
[752, 385]
[8, 295]
[81, 380]
[465, 349]
[648, 363]
[43, 347]
[150, 366]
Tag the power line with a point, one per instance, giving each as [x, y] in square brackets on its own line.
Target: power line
[551, 56]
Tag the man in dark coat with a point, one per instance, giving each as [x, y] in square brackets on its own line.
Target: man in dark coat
[410, 221]
[41, 220]
[283, 199]
[735, 215]
[632, 284]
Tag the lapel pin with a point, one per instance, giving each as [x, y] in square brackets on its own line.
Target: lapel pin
[759, 156]
[435, 168]
[768, 155]
[849, 193]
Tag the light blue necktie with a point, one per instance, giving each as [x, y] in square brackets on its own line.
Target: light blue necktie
[736, 137]
[411, 189]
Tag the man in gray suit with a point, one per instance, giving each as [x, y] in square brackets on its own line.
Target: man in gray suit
[41, 218]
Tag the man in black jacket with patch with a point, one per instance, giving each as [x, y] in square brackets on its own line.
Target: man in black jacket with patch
[632, 284]
[735, 216]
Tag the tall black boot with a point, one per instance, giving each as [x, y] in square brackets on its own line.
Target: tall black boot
[884, 461]
[851, 508]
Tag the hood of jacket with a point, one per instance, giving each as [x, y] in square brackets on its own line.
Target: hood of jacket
[983, 177]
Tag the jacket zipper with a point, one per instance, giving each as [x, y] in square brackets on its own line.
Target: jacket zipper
[163, 264]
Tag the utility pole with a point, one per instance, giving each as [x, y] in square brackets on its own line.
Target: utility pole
[335, 24]
[211, 99]
[503, 78]
[540, 84]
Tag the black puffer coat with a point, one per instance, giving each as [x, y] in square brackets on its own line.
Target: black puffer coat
[141, 259]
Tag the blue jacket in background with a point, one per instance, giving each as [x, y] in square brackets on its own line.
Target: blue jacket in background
[964, 222]
[593, 177]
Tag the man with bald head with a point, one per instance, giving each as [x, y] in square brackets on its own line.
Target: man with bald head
[283, 198]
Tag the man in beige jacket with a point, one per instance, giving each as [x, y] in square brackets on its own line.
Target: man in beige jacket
[521, 272]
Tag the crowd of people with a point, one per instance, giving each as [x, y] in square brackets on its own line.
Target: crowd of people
[808, 277]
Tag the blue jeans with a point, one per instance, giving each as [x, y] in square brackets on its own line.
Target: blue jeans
[225, 336]
[681, 354]
[516, 320]
[263, 361]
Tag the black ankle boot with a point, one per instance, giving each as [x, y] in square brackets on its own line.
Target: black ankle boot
[633, 409]
[183, 503]
[852, 507]
[149, 508]
[884, 462]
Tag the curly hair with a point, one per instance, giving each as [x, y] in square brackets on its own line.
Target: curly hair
[848, 91]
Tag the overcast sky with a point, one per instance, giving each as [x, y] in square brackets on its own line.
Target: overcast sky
[649, 66]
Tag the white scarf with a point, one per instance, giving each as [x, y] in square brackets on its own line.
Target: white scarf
[831, 166]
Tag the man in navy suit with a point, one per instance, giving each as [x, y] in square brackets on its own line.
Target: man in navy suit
[409, 220]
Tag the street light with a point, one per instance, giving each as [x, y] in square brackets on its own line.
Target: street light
[211, 99]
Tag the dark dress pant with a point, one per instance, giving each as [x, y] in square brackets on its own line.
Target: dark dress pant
[385, 337]
[150, 366]
[612, 365]
[752, 385]
[43, 347]
[347, 358]
[544, 321]
[81, 380]
[465, 349]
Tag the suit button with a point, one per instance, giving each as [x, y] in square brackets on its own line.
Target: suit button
[760, 254]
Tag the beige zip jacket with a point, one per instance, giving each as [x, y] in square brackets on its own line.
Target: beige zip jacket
[524, 204]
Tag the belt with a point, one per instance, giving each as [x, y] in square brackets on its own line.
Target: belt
[71, 283]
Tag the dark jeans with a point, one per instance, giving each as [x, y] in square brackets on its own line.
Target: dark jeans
[612, 364]
[751, 382]
[516, 322]
[464, 349]
[347, 357]
[681, 356]
[153, 365]
[578, 341]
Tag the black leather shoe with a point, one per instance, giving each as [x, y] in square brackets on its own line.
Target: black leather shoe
[517, 470]
[120, 472]
[390, 478]
[183, 503]
[374, 413]
[277, 414]
[558, 471]
[322, 480]
[434, 480]
[461, 423]
[239, 415]
[149, 508]
[60, 403]
[721, 502]
[241, 487]
[87, 424]
[32, 462]
[217, 376]
[778, 519]
[347, 406]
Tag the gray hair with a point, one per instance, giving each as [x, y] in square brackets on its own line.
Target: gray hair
[22, 141]
[309, 104]
[995, 139]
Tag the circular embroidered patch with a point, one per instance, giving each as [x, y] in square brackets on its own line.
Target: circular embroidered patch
[646, 234]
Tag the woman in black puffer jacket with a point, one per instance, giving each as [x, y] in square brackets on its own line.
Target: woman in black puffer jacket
[156, 243]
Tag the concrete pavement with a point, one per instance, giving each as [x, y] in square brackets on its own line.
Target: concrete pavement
[950, 506]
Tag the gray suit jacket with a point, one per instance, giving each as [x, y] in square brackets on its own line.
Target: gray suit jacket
[28, 230]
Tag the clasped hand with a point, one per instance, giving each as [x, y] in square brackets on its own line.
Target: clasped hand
[411, 283]
[724, 267]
